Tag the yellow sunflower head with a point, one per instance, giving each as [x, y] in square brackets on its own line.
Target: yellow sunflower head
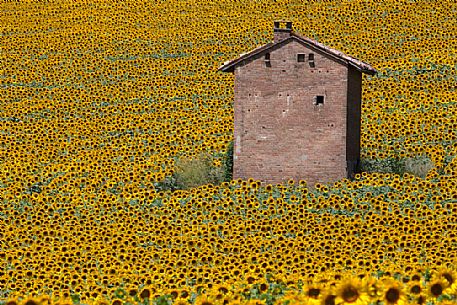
[420, 299]
[263, 285]
[117, 302]
[414, 288]
[145, 293]
[173, 292]
[313, 290]
[350, 291]
[448, 274]
[222, 288]
[452, 290]
[436, 287]
[393, 292]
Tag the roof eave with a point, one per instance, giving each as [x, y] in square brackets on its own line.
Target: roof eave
[367, 70]
[226, 68]
[230, 65]
[370, 72]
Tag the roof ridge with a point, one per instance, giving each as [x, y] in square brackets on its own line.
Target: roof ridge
[228, 66]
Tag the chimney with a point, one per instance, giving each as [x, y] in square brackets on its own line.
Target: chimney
[281, 33]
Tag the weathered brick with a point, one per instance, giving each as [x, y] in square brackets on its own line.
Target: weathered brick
[279, 131]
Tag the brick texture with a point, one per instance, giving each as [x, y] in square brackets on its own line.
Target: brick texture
[280, 133]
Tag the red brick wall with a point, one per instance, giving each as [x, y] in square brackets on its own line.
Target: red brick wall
[279, 133]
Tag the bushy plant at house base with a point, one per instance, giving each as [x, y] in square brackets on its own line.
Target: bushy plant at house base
[193, 172]
[418, 166]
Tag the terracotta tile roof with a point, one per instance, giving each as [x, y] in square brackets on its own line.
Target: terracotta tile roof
[229, 66]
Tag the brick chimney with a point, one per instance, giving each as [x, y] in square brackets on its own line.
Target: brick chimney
[281, 33]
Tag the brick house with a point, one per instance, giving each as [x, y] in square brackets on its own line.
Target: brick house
[297, 110]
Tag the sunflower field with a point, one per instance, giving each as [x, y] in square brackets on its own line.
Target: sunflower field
[100, 98]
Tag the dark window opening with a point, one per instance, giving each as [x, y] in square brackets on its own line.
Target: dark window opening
[301, 57]
[267, 60]
[319, 100]
[311, 60]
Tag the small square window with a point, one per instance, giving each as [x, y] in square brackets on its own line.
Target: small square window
[300, 57]
[318, 100]
[311, 60]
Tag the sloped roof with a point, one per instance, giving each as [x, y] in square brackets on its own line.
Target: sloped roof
[229, 66]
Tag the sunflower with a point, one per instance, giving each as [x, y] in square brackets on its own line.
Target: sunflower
[350, 291]
[450, 275]
[414, 288]
[436, 287]
[173, 292]
[452, 290]
[393, 292]
[221, 288]
[116, 302]
[263, 285]
[420, 299]
[312, 292]
[184, 293]
[145, 293]
[250, 278]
